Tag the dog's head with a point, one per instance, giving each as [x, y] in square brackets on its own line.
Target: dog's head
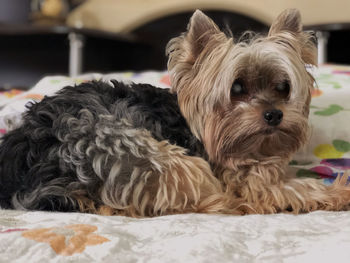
[244, 99]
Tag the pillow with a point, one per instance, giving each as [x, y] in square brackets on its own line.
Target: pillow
[328, 152]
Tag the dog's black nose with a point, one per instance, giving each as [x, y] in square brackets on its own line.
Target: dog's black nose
[273, 117]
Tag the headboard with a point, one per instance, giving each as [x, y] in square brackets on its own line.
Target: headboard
[126, 15]
[156, 21]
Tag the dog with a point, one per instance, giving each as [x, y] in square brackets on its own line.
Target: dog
[218, 142]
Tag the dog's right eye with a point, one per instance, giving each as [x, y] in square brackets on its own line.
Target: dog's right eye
[237, 88]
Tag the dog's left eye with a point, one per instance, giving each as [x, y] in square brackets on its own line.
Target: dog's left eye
[283, 87]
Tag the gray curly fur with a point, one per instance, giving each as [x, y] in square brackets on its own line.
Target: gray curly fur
[91, 142]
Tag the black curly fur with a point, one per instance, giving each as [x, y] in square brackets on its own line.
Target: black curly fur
[29, 155]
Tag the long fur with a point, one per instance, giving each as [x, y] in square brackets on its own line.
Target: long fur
[139, 150]
[94, 145]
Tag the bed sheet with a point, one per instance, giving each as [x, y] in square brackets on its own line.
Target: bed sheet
[73, 237]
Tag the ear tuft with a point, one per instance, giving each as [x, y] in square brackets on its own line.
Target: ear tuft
[202, 37]
[200, 24]
[199, 31]
[288, 20]
[287, 28]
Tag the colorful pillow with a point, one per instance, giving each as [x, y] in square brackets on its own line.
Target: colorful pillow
[328, 151]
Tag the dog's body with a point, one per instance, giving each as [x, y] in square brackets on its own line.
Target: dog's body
[66, 147]
[220, 145]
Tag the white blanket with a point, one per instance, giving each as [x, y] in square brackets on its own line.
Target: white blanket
[73, 237]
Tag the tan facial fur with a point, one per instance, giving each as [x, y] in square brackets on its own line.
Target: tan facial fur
[204, 64]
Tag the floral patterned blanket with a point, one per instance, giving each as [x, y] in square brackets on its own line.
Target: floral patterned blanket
[326, 155]
[75, 237]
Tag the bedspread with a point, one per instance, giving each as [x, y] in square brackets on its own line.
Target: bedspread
[74, 237]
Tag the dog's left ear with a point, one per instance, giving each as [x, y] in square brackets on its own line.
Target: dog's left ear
[289, 21]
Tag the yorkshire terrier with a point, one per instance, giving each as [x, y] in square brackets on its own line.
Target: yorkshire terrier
[219, 142]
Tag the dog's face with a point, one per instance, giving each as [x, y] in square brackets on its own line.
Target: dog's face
[245, 100]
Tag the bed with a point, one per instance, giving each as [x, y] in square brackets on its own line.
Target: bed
[74, 237]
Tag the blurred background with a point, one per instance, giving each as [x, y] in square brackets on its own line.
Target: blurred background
[70, 37]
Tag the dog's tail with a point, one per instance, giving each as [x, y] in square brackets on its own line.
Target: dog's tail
[13, 163]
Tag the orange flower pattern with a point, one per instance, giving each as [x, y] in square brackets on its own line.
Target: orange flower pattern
[32, 96]
[67, 240]
[316, 93]
[11, 93]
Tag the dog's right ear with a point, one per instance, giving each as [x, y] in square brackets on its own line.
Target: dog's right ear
[201, 36]
[200, 31]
